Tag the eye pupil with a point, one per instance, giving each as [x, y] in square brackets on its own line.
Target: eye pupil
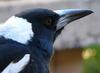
[48, 22]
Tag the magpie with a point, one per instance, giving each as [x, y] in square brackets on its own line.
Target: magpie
[26, 39]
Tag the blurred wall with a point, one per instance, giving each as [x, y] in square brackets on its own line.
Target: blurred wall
[67, 61]
[11, 7]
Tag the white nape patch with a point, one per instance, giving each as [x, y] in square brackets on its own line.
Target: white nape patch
[17, 67]
[17, 29]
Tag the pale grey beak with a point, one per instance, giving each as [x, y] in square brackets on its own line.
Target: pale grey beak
[69, 15]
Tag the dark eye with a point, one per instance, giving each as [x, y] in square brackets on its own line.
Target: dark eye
[48, 22]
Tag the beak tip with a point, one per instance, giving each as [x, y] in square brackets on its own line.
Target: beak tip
[89, 12]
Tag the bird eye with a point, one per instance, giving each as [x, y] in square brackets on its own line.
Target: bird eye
[48, 22]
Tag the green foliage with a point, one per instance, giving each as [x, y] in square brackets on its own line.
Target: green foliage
[91, 56]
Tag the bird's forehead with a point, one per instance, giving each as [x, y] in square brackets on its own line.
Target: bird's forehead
[42, 11]
[37, 13]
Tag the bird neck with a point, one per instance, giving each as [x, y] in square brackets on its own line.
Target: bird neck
[43, 45]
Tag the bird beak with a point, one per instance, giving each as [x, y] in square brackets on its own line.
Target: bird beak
[69, 15]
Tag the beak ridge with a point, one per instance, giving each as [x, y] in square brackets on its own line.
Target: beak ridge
[72, 12]
[69, 15]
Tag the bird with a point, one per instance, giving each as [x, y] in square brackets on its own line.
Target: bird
[26, 38]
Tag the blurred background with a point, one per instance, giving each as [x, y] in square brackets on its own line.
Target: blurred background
[71, 54]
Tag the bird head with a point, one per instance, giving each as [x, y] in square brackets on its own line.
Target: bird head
[47, 23]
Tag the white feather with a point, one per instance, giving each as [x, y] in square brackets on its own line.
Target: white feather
[17, 29]
[17, 67]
